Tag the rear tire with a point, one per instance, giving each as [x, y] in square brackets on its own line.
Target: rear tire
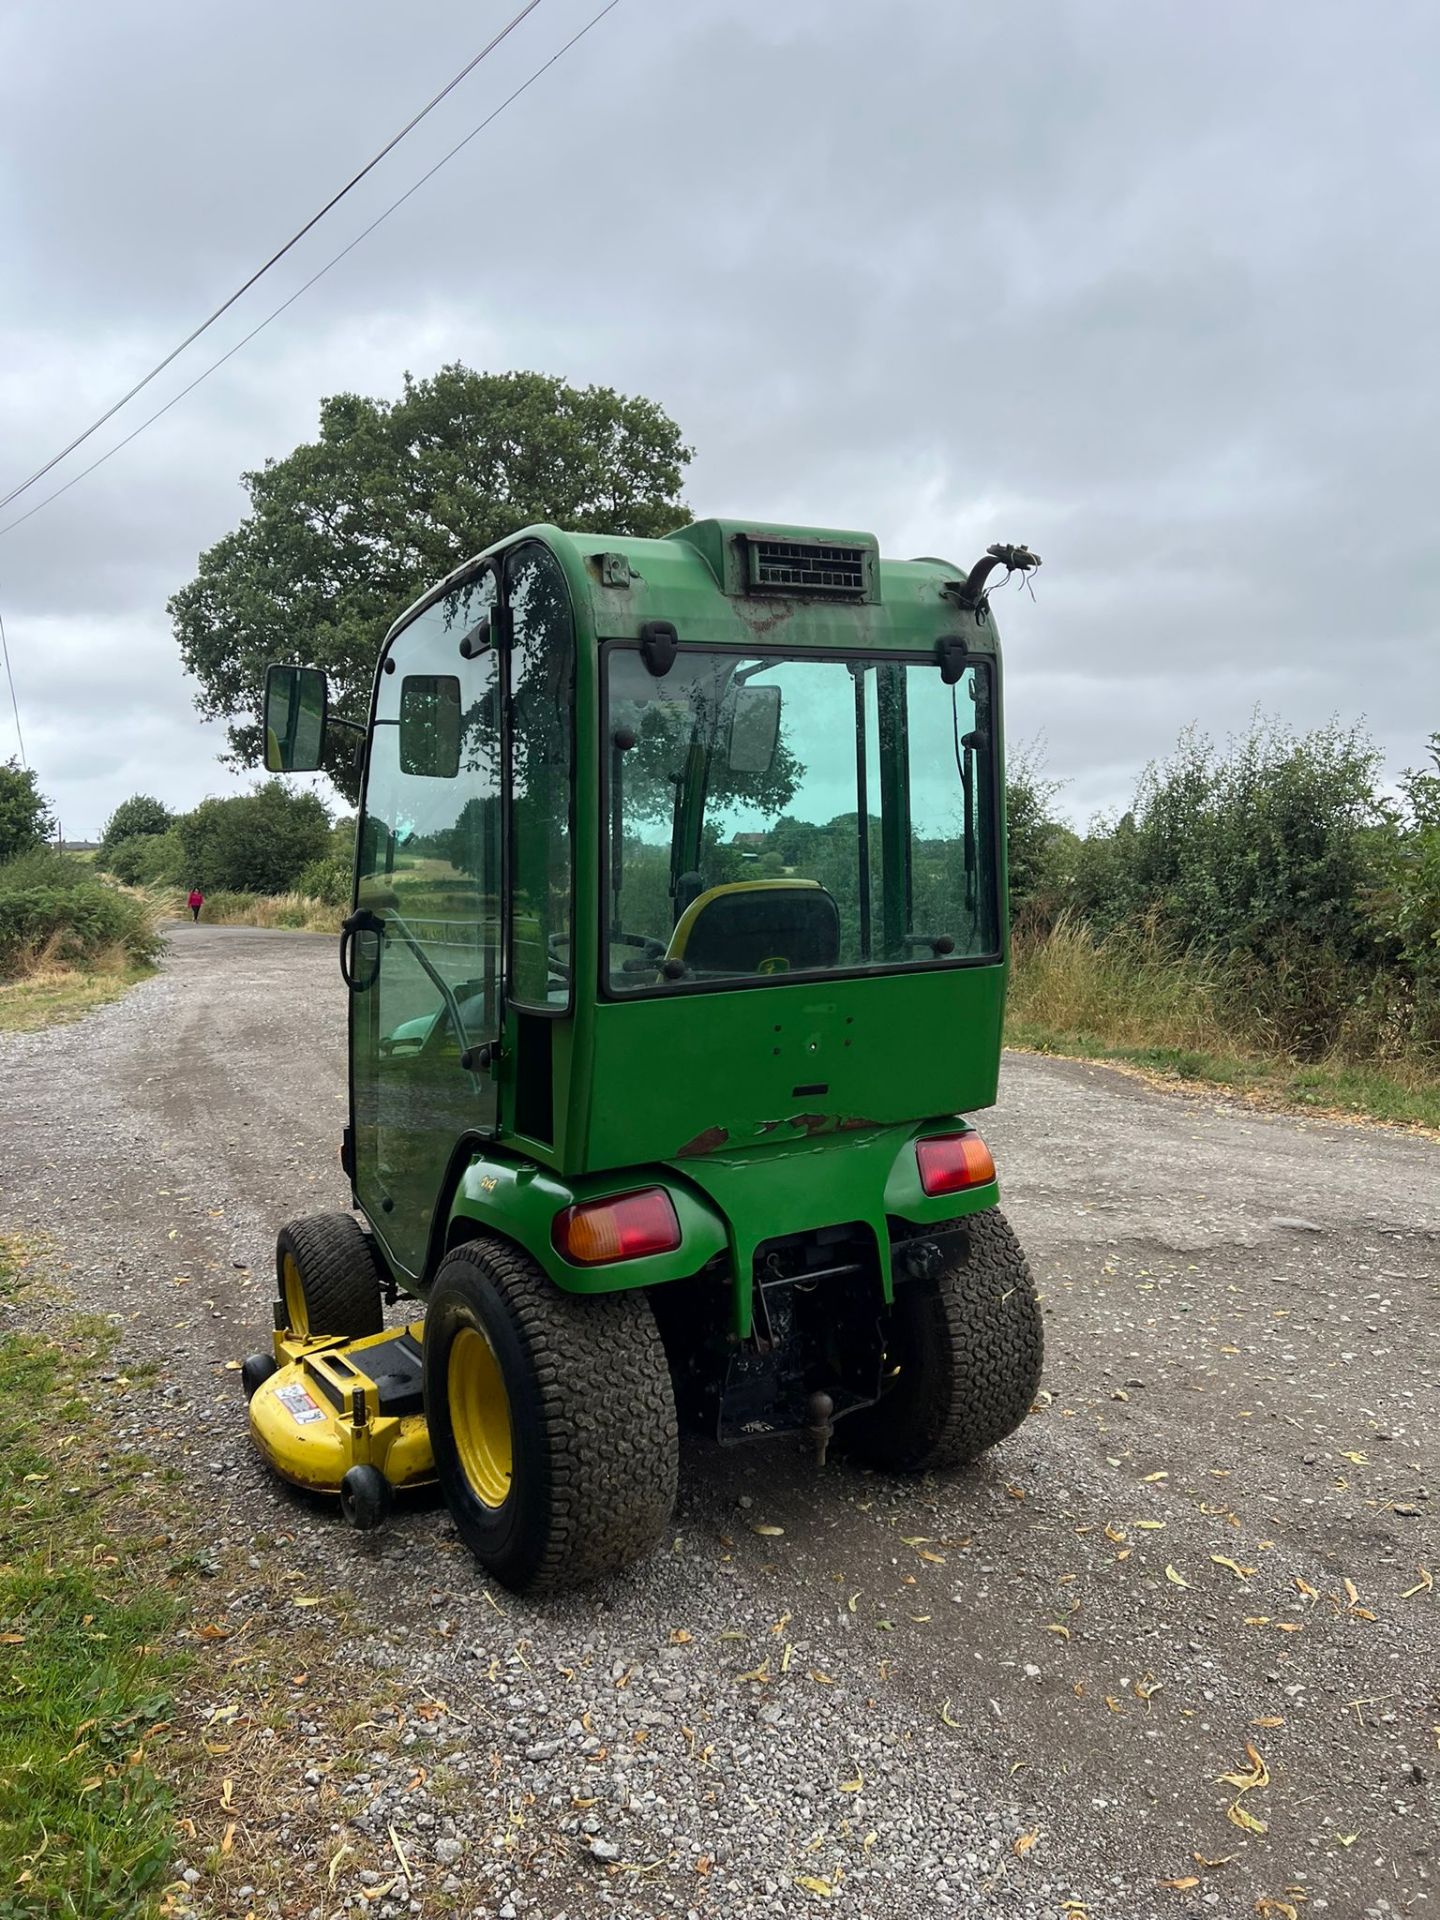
[968, 1343]
[329, 1277]
[552, 1419]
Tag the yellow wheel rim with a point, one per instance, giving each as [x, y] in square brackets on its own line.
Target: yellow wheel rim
[296, 1311]
[480, 1417]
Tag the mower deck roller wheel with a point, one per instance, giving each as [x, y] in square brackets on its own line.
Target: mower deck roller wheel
[551, 1418]
[329, 1277]
[968, 1343]
[255, 1370]
[365, 1496]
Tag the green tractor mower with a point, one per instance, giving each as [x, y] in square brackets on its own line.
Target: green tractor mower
[677, 956]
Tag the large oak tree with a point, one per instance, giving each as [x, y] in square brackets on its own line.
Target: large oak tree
[346, 530]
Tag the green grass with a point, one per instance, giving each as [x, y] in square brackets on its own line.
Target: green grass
[54, 994]
[1127, 1000]
[85, 1817]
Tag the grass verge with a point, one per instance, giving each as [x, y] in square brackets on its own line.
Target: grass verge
[1126, 1000]
[85, 1815]
[50, 994]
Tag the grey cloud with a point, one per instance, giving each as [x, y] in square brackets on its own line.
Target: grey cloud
[1153, 288]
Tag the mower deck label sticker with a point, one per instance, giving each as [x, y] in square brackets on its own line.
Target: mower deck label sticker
[298, 1404]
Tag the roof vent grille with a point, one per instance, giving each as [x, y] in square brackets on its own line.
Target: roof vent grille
[807, 567]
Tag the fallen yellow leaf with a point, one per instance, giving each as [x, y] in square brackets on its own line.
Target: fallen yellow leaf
[769, 1533]
[1180, 1886]
[1055, 1627]
[1022, 1843]
[948, 1718]
[1347, 1839]
[1175, 1579]
[1210, 1865]
[812, 1884]
[851, 1786]
[1240, 1573]
[1258, 1774]
[1151, 1526]
[1238, 1817]
[1265, 1906]
[1423, 1585]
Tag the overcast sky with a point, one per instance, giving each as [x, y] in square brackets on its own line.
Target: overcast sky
[1150, 286]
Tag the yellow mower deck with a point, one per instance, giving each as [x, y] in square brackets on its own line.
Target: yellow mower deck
[335, 1404]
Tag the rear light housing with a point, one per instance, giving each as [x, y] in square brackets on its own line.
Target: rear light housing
[621, 1228]
[953, 1162]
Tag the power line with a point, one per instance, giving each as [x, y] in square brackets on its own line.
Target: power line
[280, 254]
[305, 286]
[5, 649]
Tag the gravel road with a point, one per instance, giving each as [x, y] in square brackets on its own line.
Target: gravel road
[1011, 1692]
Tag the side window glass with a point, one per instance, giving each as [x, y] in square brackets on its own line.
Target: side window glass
[542, 685]
[430, 847]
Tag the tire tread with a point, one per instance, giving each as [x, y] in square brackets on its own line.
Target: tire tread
[340, 1273]
[981, 1325]
[607, 1408]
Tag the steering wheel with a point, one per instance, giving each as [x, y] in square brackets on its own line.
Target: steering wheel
[652, 949]
[560, 968]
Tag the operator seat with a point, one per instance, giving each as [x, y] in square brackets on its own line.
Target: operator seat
[759, 926]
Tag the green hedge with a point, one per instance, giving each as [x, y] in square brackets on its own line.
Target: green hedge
[49, 901]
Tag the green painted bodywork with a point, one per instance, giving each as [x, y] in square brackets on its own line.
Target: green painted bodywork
[701, 1092]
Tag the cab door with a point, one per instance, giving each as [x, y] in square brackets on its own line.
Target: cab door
[422, 953]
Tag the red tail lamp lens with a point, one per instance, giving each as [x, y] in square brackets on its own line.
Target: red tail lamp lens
[954, 1162]
[618, 1229]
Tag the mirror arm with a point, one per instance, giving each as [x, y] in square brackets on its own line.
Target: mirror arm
[354, 726]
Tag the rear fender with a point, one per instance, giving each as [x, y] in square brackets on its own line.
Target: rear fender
[512, 1197]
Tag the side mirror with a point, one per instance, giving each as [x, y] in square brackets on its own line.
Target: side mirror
[297, 702]
[754, 729]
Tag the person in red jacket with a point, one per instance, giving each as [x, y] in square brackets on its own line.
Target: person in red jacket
[195, 902]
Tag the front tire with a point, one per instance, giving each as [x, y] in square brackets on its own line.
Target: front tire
[964, 1351]
[551, 1417]
[329, 1277]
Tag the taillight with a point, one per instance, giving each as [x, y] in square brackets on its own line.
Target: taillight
[618, 1229]
[953, 1162]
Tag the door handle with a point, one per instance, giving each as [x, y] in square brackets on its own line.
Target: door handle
[361, 921]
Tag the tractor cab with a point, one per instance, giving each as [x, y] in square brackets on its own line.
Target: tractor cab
[677, 954]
